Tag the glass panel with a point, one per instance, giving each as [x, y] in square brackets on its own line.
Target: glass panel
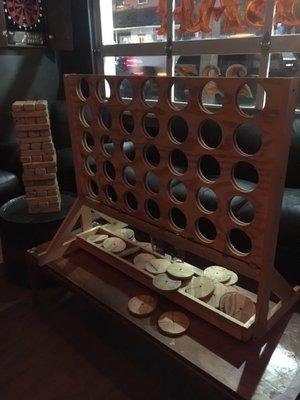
[287, 17]
[207, 19]
[218, 65]
[285, 64]
[141, 66]
[130, 21]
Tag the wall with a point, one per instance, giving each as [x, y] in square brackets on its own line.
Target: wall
[25, 74]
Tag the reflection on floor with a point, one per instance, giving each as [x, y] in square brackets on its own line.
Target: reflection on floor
[66, 350]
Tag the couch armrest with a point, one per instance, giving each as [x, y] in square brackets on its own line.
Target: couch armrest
[10, 158]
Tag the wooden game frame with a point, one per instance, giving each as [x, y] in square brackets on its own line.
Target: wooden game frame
[270, 162]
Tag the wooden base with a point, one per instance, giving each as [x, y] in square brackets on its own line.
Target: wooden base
[253, 371]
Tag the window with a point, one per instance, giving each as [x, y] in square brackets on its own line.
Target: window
[211, 37]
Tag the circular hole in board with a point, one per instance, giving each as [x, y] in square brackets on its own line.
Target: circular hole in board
[208, 200]
[151, 155]
[152, 182]
[245, 176]
[251, 98]
[129, 176]
[128, 150]
[206, 230]
[212, 97]
[178, 129]
[107, 145]
[150, 93]
[91, 165]
[177, 190]
[178, 219]
[131, 201]
[103, 91]
[83, 89]
[248, 139]
[179, 95]
[152, 209]
[86, 115]
[178, 162]
[109, 170]
[209, 168]
[105, 118]
[151, 125]
[239, 241]
[88, 141]
[127, 121]
[210, 134]
[241, 209]
[93, 188]
[126, 91]
[111, 194]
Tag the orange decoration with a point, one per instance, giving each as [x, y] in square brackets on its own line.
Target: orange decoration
[286, 13]
[233, 22]
[255, 13]
[162, 12]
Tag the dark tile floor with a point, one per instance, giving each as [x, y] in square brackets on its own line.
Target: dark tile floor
[65, 350]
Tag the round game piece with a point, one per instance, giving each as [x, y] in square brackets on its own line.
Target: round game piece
[142, 259]
[239, 306]
[217, 274]
[180, 270]
[145, 245]
[157, 266]
[232, 280]
[114, 245]
[222, 301]
[165, 283]
[125, 233]
[96, 239]
[219, 291]
[200, 287]
[173, 323]
[142, 305]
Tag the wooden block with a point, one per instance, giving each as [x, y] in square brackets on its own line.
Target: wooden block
[25, 159]
[51, 170]
[40, 171]
[47, 145]
[32, 127]
[45, 133]
[29, 105]
[23, 134]
[18, 106]
[36, 146]
[36, 140]
[30, 114]
[41, 105]
[47, 177]
[48, 157]
[42, 186]
[24, 146]
[46, 152]
[34, 134]
[42, 120]
[53, 192]
[36, 159]
[47, 164]
[28, 173]
[41, 193]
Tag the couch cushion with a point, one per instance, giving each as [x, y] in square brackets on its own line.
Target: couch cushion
[9, 186]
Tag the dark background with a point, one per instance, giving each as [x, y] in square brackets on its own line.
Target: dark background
[27, 74]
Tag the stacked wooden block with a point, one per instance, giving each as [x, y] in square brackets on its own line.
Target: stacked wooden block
[38, 156]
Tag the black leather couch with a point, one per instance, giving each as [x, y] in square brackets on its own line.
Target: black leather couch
[10, 171]
[288, 248]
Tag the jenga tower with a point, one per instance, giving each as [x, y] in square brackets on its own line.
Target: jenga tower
[38, 156]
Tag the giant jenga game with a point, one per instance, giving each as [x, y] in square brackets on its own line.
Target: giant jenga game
[38, 156]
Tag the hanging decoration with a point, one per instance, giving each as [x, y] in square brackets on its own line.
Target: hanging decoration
[193, 17]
